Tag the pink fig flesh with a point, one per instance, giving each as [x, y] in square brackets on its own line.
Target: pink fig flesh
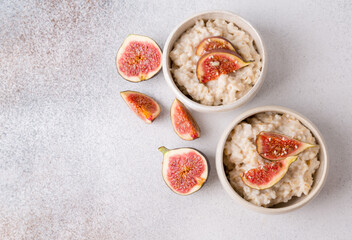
[274, 146]
[183, 123]
[217, 62]
[139, 58]
[184, 170]
[142, 105]
[212, 43]
[268, 175]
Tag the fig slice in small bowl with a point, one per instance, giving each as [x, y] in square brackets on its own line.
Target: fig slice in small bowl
[183, 123]
[274, 146]
[212, 43]
[185, 170]
[267, 175]
[217, 62]
[139, 58]
[142, 105]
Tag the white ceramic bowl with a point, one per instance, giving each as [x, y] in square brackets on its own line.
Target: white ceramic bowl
[188, 23]
[319, 176]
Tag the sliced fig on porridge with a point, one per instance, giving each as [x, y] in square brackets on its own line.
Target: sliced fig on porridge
[142, 105]
[217, 62]
[139, 58]
[274, 146]
[183, 123]
[212, 43]
[185, 170]
[268, 175]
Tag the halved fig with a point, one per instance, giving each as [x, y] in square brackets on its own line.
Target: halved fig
[212, 43]
[139, 58]
[142, 105]
[274, 146]
[184, 124]
[217, 62]
[268, 175]
[185, 170]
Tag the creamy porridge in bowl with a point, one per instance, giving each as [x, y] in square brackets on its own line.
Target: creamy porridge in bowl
[238, 154]
[241, 155]
[230, 89]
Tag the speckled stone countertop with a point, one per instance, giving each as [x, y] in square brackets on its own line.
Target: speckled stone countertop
[75, 163]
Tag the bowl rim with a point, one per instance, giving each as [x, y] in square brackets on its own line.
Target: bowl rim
[307, 123]
[198, 106]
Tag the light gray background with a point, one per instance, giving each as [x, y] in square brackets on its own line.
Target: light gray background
[75, 163]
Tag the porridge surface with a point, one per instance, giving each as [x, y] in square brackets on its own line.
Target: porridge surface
[227, 88]
[240, 155]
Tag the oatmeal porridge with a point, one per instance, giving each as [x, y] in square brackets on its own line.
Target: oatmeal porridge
[240, 155]
[227, 88]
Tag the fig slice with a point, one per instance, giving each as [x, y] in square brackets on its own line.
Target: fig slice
[139, 58]
[274, 146]
[142, 105]
[184, 170]
[182, 121]
[212, 43]
[268, 175]
[217, 62]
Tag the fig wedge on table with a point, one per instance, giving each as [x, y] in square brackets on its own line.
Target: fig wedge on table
[212, 43]
[217, 62]
[142, 105]
[274, 146]
[268, 175]
[139, 58]
[182, 121]
[184, 170]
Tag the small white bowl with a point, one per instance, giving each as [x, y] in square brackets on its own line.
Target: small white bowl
[190, 22]
[319, 176]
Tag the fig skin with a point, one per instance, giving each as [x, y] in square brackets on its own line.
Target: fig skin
[194, 131]
[275, 179]
[204, 43]
[141, 111]
[224, 52]
[299, 146]
[141, 77]
[166, 152]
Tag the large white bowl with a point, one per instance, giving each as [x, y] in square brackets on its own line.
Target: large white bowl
[190, 22]
[318, 178]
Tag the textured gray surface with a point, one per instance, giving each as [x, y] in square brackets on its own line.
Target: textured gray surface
[75, 163]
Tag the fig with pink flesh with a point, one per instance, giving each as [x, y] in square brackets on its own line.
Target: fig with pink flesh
[139, 58]
[274, 146]
[268, 175]
[184, 170]
[183, 123]
[212, 43]
[217, 62]
[142, 105]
